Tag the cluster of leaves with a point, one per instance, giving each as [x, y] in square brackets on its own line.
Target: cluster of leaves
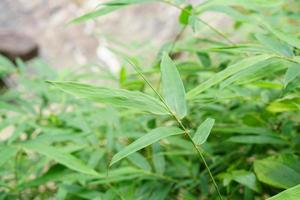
[213, 117]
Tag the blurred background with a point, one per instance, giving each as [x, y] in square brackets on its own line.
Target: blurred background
[63, 45]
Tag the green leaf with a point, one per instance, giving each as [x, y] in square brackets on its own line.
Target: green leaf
[185, 14]
[140, 161]
[256, 139]
[107, 8]
[289, 194]
[292, 73]
[288, 103]
[146, 140]
[229, 71]
[122, 75]
[174, 92]
[63, 158]
[158, 159]
[286, 37]
[117, 97]
[203, 131]
[276, 173]
[246, 73]
[204, 58]
[275, 45]
[243, 177]
[6, 152]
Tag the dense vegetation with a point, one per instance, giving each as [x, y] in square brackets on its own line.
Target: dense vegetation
[214, 116]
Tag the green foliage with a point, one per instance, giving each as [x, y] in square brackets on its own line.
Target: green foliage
[289, 194]
[116, 97]
[174, 92]
[203, 131]
[146, 140]
[89, 133]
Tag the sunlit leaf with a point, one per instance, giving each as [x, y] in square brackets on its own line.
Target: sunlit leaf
[185, 14]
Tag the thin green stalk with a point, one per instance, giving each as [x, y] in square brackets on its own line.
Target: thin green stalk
[181, 125]
[200, 154]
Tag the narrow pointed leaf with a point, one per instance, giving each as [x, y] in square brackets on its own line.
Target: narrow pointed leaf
[257, 139]
[146, 140]
[229, 71]
[116, 97]
[158, 159]
[63, 158]
[107, 8]
[291, 74]
[275, 45]
[140, 161]
[289, 194]
[286, 37]
[203, 131]
[173, 89]
[276, 174]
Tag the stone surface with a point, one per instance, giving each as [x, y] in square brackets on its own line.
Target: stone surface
[14, 44]
[144, 26]
[64, 46]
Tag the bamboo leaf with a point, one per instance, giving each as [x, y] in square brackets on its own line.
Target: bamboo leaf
[146, 140]
[173, 89]
[286, 37]
[292, 73]
[229, 71]
[243, 177]
[185, 14]
[158, 159]
[107, 8]
[117, 97]
[203, 131]
[140, 161]
[275, 45]
[289, 194]
[256, 139]
[63, 158]
[275, 173]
